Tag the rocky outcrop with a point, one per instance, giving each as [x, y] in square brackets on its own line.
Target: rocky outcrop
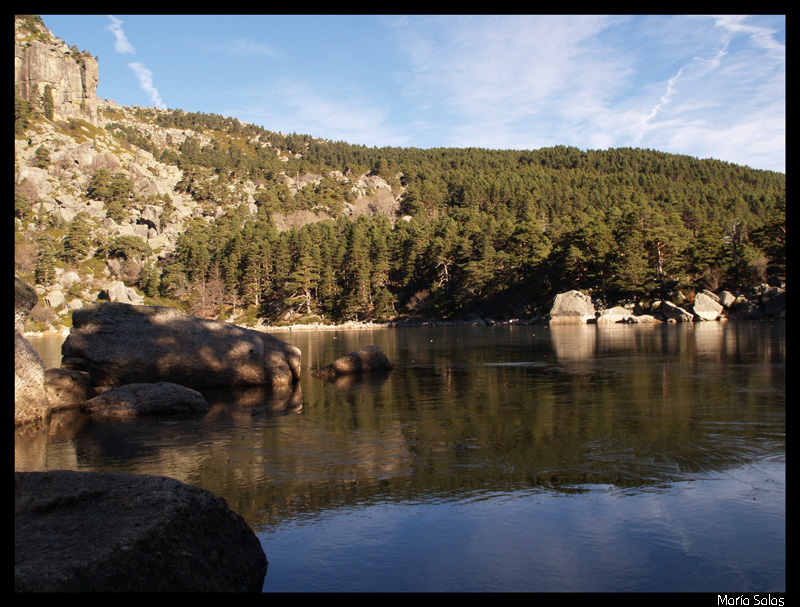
[146, 399]
[366, 360]
[41, 59]
[120, 532]
[117, 291]
[572, 308]
[30, 398]
[118, 344]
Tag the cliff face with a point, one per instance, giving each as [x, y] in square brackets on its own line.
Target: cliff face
[41, 59]
[55, 162]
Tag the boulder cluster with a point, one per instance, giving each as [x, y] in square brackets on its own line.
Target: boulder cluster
[87, 531]
[124, 360]
[120, 532]
[766, 301]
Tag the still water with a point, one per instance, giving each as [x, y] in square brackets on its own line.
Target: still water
[513, 458]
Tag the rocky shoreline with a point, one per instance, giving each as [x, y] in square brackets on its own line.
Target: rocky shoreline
[764, 302]
[627, 313]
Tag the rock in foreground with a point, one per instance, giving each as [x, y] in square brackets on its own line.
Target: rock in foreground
[120, 532]
[365, 360]
[118, 344]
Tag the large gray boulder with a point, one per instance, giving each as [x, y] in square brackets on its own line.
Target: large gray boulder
[146, 399]
[706, 306]
[25, 299]
[366, 360]
[727, 299]
[572, 308]
[118, 344]
[30, 398]
[121, 532]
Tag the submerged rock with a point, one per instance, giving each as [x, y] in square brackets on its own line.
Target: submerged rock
[365, 360]
[146, 399]
[121, 532]
[118, 344]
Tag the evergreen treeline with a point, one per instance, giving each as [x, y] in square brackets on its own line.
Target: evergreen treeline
[485, 231]
[488, 232]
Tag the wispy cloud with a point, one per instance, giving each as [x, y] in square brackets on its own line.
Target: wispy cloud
[143, 74]
[321, 110]
[509, 77]
[658, 82]
[145, 77]
[246, 47]
[121, 45]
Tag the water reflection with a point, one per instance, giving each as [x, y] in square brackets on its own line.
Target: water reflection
[469, 413]
[465, 410]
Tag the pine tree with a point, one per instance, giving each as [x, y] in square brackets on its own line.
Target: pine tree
[41, 157]
[149, 280]
[356, 274]
[45, 271]
[301, 284]
[77, 245]
[48, 105]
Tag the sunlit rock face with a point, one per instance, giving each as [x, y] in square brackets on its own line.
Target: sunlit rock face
[41, 59]
[572, 308]
[30, 400]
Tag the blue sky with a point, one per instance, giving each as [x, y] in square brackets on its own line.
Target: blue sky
[706, 86]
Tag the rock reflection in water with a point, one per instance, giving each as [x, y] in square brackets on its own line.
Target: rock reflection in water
[257, 399]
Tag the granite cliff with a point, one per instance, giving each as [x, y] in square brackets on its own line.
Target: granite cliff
[42, 60]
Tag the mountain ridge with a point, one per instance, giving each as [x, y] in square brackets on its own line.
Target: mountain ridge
[115, 194]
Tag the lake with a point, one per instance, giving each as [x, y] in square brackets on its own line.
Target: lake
[491, 459]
